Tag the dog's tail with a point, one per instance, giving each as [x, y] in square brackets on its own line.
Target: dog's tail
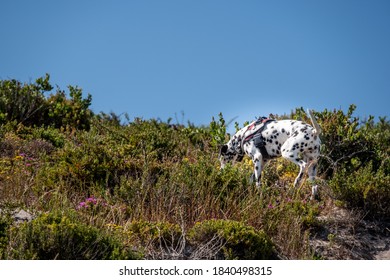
[317, 129]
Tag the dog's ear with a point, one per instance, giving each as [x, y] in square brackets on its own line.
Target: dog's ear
[223, 149]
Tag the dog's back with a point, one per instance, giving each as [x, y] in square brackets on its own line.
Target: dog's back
[286, 136]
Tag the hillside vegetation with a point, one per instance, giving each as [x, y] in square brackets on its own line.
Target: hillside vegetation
[98, 187]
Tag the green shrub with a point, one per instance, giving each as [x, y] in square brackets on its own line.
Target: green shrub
[364, 188]
[147, 232]
[153, 140]
[50, 134]
[218, 131]
[56, 236]
[157, 240]
[346, 137]
[28, 105]
[70, 112]
[239, 241]
[24, 103]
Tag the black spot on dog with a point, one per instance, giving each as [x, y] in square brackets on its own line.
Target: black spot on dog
[304, 129]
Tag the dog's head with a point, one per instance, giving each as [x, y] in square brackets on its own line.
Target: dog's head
[231, 152]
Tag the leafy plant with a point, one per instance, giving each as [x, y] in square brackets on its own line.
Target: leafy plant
[24, 103]
[28, 105]
[57, 236]
[218, 131]
[69, 113]
[240, 241]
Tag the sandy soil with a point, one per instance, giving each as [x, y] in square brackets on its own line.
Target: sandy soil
[346, 234]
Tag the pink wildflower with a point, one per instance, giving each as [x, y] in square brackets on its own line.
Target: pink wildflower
[91, 200]
[82, 205]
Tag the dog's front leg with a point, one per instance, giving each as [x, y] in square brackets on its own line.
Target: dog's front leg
[258, 167]
[257, 172]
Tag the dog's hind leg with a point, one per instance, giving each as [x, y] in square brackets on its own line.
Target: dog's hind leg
[312, 172]
[292, 155]
[302, 167]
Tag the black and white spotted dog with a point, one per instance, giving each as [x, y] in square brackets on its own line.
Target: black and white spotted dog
[265, 139]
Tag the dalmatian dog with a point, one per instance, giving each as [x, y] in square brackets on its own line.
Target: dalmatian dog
[266, 139]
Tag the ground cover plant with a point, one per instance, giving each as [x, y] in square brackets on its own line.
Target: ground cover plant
[99, 186]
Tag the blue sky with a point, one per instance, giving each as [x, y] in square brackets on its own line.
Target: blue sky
[157, 59]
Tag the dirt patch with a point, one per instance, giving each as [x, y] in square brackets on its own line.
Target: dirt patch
[345, 234]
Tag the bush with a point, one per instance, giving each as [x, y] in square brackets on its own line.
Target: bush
[217, 131]
[69, 113]
[346, 138]
[158, 240]
[24, 103]
[239, 241]
[27, 104]
[51, 135]
[364, 188]
[56, 236]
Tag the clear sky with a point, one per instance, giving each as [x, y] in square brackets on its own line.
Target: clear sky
[245, 58]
